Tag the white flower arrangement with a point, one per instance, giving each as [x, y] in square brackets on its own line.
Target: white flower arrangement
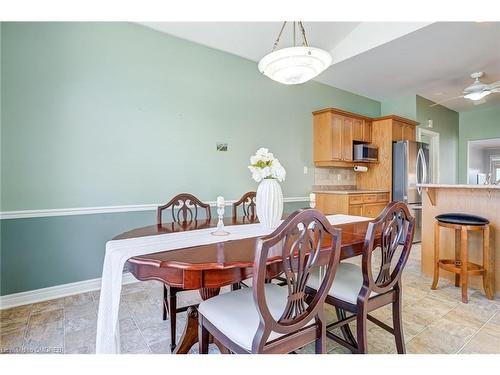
[264, 165]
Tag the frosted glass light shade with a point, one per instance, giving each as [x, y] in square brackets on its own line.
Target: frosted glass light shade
[294, 65]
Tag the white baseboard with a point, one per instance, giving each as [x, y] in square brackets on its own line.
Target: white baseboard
[58, 291]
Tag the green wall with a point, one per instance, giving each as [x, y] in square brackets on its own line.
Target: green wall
[482, 123]
[445, 122]
[99, 114]
[404, 106]
[103, 114]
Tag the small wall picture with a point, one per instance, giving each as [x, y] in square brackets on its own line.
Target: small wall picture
[221, 146]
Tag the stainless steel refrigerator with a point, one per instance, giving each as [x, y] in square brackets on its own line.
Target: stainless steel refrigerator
[410, 166]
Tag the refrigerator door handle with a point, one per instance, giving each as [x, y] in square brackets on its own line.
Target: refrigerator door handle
[420, 166]
[424, 166]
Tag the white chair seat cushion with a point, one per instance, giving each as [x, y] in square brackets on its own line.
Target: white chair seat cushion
[236, 316]
[346, 284]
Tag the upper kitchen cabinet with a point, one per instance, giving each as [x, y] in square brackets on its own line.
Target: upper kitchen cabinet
[403, 129]
[327, 134]
[385, 130]
[334, 133]
[361, 130]
[346, 143]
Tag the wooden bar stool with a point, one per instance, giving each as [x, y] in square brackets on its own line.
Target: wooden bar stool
[460, 266]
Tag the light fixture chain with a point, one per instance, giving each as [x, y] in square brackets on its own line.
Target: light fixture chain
[279, 36]
[294, 34]
[303, 34]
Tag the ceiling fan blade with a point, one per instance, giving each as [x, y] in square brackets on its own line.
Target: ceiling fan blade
[477, 102]
[446, 100]
[494, 85]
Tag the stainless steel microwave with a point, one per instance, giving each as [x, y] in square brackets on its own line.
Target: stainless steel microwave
[365, 152]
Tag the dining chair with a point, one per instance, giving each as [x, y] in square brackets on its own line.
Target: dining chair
[185, 208]
[248, 206]
[268, 318]
[361, 290]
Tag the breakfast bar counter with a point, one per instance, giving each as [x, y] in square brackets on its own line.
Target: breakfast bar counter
[480, 200]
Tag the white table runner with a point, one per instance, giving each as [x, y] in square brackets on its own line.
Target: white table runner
[119, 251]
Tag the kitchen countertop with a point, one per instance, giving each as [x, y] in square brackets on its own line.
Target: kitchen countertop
[344, 192]
[463, 186]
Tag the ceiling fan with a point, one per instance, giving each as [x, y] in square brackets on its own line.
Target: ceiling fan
[477, 91]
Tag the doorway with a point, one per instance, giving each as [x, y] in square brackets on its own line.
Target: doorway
[432, 139]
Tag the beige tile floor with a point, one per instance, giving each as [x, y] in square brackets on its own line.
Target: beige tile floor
[434, 321]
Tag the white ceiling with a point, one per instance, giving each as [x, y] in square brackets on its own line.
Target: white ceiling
[253, 40]
[434, 61]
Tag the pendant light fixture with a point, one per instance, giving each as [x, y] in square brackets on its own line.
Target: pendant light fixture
[297, 64]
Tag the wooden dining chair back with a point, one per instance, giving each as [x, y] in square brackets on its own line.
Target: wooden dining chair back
[248, 206]
[376, 283]
[299, 242]
[184, 207]
[285, 318]
[394, 229]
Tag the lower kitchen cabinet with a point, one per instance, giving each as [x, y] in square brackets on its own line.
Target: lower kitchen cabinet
[358, 204]
[356, 210]
[373, 209]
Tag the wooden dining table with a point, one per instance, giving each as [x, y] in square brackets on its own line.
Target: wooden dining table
[208, 268]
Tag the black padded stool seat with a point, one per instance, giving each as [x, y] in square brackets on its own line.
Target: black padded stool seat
[461, 224]
[462, 219]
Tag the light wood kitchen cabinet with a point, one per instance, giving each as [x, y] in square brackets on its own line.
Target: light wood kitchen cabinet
[373, 209]
[356, 210]
[327, 133]
[359, 204]
[346, 142]
[409, 133]
[385, 130]
[402, 131]
[367, 131]
[335, 146]
[334, 133]
[361, 130]
[357, 130]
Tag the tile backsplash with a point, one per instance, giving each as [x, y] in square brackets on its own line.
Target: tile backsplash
[334, 176]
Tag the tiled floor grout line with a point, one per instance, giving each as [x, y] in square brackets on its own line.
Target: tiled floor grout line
[475, 334]
[140, 330]
[64, 328]
[428, 324]
[403, 329]
[25, 334]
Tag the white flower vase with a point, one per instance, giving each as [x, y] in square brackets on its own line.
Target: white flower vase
[269, 202]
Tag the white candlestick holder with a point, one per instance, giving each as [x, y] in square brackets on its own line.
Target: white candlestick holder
[312, 200]
[220, 231]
